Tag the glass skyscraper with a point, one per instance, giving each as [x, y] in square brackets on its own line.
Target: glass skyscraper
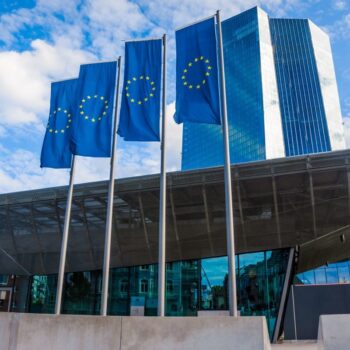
[282, 97]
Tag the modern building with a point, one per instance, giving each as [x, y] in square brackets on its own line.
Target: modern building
[282, 97]
[291, 214]
[321, 291]
[286, 210]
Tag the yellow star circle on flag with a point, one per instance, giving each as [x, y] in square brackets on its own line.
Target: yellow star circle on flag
[67, 114]
[93, 119]
[141, 100]
[184, 77]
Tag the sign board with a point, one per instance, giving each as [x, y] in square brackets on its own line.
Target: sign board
[137, 306]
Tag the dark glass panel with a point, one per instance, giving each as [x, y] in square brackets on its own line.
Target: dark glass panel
[43, 294]
[82, 293]
[118, 303]
[182, 288]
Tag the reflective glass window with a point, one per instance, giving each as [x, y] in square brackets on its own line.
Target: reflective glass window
[332, 275]
[119, 291]
[81, 291]
[344, 274]
[320, 276]
[202, 144]
[192, 285]
[338, 272]
[4, 280]
[303, 116]
[214, 274]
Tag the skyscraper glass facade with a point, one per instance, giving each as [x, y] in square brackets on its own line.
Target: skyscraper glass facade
[303, 115]
[202, 143]
[192, 286]
[282, 98]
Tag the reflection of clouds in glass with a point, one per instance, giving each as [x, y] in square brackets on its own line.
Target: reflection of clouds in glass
[214, 270]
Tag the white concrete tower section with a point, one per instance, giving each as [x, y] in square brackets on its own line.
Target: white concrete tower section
[274, 143]
[325, 67]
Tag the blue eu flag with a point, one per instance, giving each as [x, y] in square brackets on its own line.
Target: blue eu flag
[197, 87]
[140, 108]
[92, 127]
[55, 152]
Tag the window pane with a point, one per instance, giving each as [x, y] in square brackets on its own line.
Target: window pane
[80, 292]
[344, 275]
[309, 277]
[214, 284]
[143, 283]
[320, 276]
[4, 280]
[43, 294]
[119, 289]
[332, 275]
[182, 288]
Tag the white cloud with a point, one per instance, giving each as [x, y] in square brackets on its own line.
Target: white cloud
[340, 29]
[136, 158]
[346, 122]
[25, 79]
[79, 32]
[20, 170]
[110, 22]
[339, 5]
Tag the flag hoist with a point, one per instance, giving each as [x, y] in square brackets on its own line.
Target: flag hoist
[201, 98]
[83, 125]
[108, 232]
[144, 80]
[55, 153]
[80, 122]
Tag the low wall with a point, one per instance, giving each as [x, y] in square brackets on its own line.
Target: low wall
[334, 332]
[36, 331]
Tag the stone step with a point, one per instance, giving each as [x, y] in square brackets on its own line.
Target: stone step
[296, 345]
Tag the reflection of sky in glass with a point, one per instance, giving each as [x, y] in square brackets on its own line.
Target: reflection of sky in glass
[250, 258]
[332, 273]
[344, 275]
[320, 275]
[214, 270]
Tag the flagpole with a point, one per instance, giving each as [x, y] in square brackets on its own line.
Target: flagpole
[162, 201]
[108, 232]
[63, 256]
[232, 289]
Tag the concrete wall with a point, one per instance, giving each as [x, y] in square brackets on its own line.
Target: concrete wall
[334, 332]
[35, 331]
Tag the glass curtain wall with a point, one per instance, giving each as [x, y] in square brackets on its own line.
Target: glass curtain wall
[303, 115]
[192, 286]
[202, 143]
[334, 273]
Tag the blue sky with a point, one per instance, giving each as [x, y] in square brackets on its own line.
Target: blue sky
[43, 41]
